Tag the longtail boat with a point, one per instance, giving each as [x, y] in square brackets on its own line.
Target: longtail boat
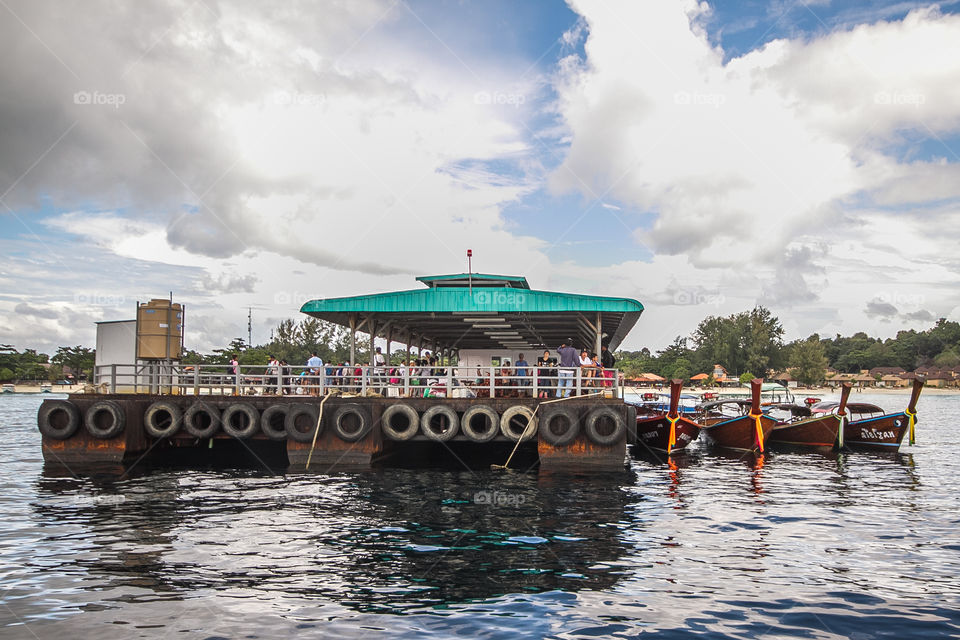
[746, 432]
[822, 432]
[871, 428]
[667, 432]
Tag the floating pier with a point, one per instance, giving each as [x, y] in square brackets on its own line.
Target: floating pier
[473, 405]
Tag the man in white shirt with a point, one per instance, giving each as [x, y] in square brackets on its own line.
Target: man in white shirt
[315, 365]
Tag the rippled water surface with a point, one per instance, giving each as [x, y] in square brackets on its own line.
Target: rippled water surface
[854, 545]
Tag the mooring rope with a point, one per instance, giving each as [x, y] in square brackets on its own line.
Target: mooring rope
[531, 422]
[316, 431]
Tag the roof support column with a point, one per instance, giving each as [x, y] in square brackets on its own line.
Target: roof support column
[353, 338]
[599, 333]
[409, 340]
[373, 337]
[389, 340]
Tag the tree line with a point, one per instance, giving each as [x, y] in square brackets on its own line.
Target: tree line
[750, 343]
[747, 344]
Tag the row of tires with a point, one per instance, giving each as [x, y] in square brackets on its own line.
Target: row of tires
[603, 425]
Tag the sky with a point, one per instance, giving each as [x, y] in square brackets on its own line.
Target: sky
[702, 158]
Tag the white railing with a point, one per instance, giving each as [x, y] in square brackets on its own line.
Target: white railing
[390, 381]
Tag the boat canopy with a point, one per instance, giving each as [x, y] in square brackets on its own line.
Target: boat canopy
[483, 311]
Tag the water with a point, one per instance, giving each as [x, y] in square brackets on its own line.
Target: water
[812, 546]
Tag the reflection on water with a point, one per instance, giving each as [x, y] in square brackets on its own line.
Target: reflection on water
[823, 545]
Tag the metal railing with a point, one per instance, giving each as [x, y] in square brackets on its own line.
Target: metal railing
[398, 381]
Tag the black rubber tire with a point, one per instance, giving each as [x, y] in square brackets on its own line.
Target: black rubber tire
[162, 419]
[566, 418]
[514, 432]
[114, 427]
[402, 411]
[344, 429]
[302, 415]
[492, 423]
[269, 418]
[241, 410]
[196, 411]
[439, 410]
[58, 419]
[590, 426]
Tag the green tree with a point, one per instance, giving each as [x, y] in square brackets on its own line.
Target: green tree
[808, 359]
[6, 375]
[745, 378]
[79, 359]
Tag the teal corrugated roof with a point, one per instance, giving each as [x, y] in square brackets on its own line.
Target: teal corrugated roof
[479, 300]
[455, 315]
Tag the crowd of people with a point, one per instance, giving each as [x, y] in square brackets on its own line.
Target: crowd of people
[554, 376]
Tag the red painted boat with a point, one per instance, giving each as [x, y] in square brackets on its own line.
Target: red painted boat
[667, 432]
[867, 430]
[747, 432]
[820, 432]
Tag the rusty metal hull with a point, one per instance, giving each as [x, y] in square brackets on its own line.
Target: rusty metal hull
[738, 433]
[330, 451]
[654, 433]
[813, 433]
[884, 433]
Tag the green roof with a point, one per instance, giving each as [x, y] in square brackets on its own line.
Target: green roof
[458, 316]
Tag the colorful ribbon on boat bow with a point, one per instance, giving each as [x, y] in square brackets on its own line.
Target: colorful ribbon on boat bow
[912, 417]
[759, 426]
[673, 433]
[843, 424]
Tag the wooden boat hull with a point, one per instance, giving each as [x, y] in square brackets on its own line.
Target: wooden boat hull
[884, 432]
[812, 433]
[738, 433]
[654, 433]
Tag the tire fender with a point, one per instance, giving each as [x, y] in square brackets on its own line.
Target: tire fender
[58, 419]
[193, 420]
[491, 422]
[247, 415]
[162, 419]
[398, 433]
[105, 419]
[298, 415]
[442, 411]
[592, 428]
[275, 413]
[352, 422]
[559, 425]
[514, 431]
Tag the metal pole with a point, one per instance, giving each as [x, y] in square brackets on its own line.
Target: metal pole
[353, 338]
[598, 343]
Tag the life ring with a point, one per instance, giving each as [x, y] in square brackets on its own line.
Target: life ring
[241, 420]
[592, 428]
[480, 423]
[440, 423]
[105, 419]
[300, 416]
[162, 419]
[58, 419]
[201, 420]
[272, 422]
[510, 418]
[352, 422]
[400, 422]
[559, 426]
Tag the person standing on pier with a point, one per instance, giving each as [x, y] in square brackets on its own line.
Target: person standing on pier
[569, 362]
[315, 365]
[607, 361]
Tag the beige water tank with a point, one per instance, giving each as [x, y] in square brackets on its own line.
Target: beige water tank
[159, 330]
